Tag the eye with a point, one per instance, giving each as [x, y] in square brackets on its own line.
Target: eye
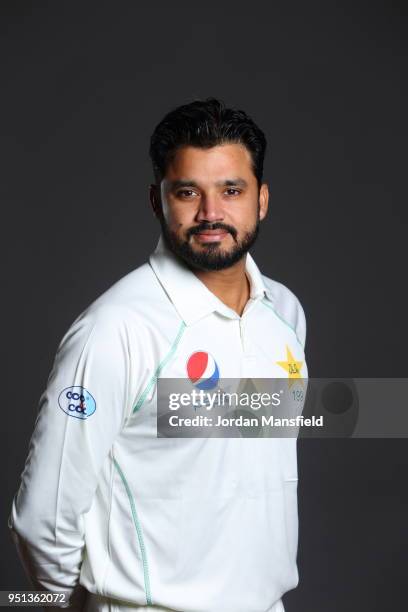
[185, 193]
[232, 191]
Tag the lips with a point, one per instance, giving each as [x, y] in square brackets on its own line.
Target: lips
[211, 235]
[211, 232]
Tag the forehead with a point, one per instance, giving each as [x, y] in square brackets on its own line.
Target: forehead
[219, 161]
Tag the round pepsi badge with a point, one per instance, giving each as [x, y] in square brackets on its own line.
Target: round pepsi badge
[202, 370]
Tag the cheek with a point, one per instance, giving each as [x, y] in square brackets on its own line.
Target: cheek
[244, 218]
[177, 219]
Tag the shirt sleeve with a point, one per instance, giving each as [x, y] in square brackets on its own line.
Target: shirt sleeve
[301, 324]
[87, 401]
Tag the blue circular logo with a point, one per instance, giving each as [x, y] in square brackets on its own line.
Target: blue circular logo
[202, 370]
[77, 402]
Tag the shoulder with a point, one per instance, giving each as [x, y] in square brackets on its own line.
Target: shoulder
[131, 291]
[125, 306]
[287, 306]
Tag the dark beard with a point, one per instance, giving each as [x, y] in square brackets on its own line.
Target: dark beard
[212, 258]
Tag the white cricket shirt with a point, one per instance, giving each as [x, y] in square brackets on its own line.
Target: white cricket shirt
[187, 524]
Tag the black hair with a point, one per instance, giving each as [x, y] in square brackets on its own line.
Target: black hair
[205, 124]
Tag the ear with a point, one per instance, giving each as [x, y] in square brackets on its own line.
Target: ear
[263, 201]
[155, 202]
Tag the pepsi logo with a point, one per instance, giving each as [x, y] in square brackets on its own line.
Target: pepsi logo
[202, 370]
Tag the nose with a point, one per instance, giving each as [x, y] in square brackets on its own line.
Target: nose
[210, 209]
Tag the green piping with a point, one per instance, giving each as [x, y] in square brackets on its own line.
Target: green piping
[160, 367]
[283, 321]
[139, 535]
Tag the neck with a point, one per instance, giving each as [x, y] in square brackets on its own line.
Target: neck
[231, 285]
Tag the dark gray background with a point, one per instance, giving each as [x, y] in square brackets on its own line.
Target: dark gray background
[83, 85]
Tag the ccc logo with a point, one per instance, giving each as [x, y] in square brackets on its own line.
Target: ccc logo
[81, 407]
[77, 402]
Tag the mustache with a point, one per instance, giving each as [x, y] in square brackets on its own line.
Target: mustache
[212, 226]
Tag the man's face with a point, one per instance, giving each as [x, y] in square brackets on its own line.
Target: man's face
[210, 205]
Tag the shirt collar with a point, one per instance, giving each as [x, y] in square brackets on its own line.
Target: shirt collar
[191, 298]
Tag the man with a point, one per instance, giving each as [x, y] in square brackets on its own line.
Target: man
[105, 506]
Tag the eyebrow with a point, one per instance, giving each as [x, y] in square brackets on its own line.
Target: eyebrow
[237, 182]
